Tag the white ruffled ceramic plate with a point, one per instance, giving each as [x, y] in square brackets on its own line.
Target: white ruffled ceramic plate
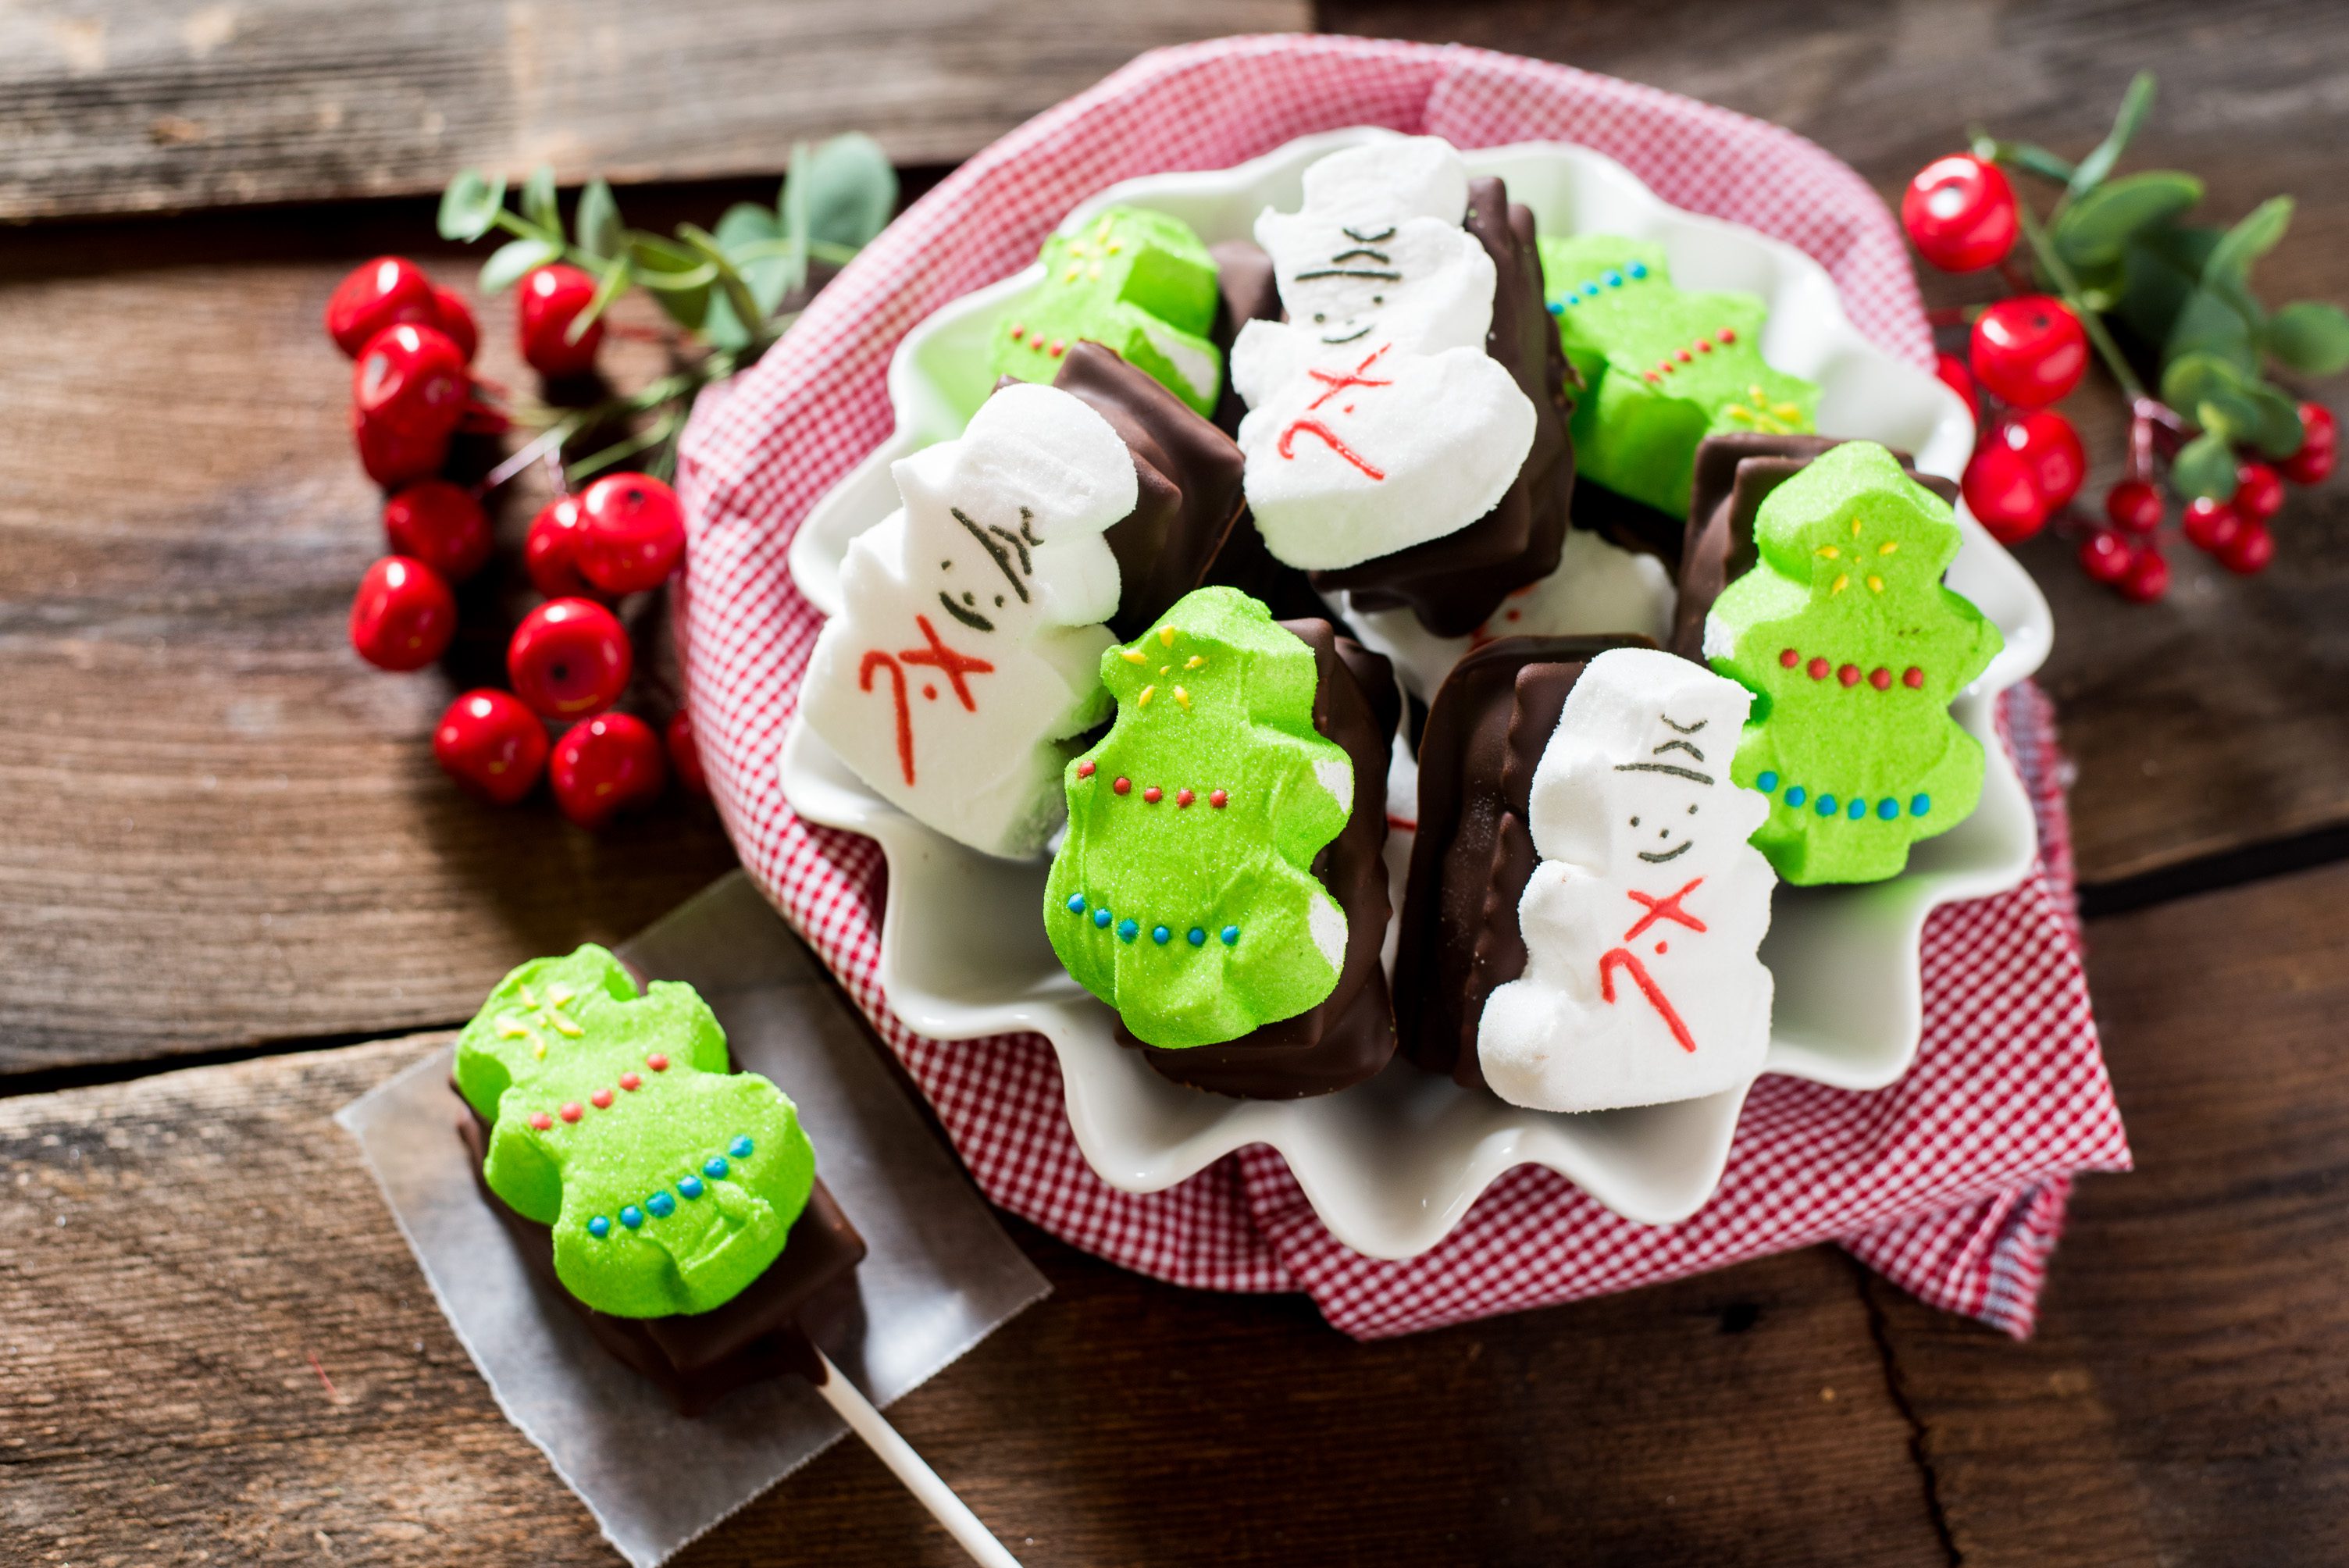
[1392, 1164]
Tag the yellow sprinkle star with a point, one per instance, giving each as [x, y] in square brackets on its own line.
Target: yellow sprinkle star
[1830, 551]
[1194, 663]
[1841, 583]
[1147, 693]
[1875, 583]
[1131, 656]
[1166, 636]
[1887, 547]
[1183, 697]
[1855, 528]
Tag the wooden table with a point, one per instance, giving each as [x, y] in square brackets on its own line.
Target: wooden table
[234, 892]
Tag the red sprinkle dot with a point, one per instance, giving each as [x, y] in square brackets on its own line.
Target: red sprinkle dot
[1726, 335]
[1682, 356]
[658, 1062]
[1704, 346]
[601, 1100]
[1124, 786]
[569, 1110]
[1651, 375]
[1084, 770]
[1880, 678]
[1035, 346]
[1912, 678]
[1849, 675]
[541, 1120]
[1059, 348]
[1017, 332]
[1818, 669]
[1152, 796]
[1789, 658]
[1184, 796]
[1219, 799]
[630, 1080]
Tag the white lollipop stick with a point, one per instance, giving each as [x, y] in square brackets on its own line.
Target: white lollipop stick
[909, 1468]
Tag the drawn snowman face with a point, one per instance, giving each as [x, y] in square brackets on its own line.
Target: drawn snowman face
[1662, 792]
[985, 569]
[1356, 279]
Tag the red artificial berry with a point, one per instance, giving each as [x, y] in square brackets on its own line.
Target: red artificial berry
[2318, 439]
[2250, 550]
[491, 744]
[683, 756]
[551, 300]
[2210, 524]
[569, 657]
[2147, 578]
[393, 458]
[457, 321]
[403, 614]
[2134, 505]
[2003, 491]
[2029, 351]
[411, 381]
[1957, 378]
[605, 765]
[2258, 492]
[2105, 556]
[385, 292]
[2047, 441]
[550, 551]
[440, 525]
[1959, 211]
[631, 533]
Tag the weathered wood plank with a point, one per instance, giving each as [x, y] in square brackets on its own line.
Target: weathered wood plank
[2220, 717]
[175, 1251]
[2185, 1401]
[129, 105]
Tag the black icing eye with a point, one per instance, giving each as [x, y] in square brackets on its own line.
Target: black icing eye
[1319, 318]
[1691, 811]
[1377, 299]
[999, 604]
[970, 598]
[946, 565]
[1635, 822]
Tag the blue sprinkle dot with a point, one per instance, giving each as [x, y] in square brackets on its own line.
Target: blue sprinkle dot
[1796, 795]
[689, 1185]
[632, 1216]
[714, 1168]
[599, 1227]
[1766, 782]
[1857, 810]
[1231, 935]
[661, 1205]
[1613, 280]
[1887, 808]
[1076, 903]
[1826, 806]
[1129, 928]
[1921, 804]
[1100, 917]
[1161, 935]
[1198, 934]
[1572, 299]
[1639, 269]
[740, 1149]
[1557, 307]
[1591, 291]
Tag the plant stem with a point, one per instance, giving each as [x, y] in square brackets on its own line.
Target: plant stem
[2068, 286]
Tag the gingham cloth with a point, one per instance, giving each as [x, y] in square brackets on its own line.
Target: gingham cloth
[1952, 1182]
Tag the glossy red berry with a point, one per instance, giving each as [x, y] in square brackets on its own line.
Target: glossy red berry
[2105, 555]
[605, 765]
[403, 614]
[456, 319]
[393, 457]
[440, 525]
[2250, 550]
[684, 755]
[2210, 524]
[569, 657]
[2134, 505]
[2029, 351]
[383, 292]
[411, 381]
[2319, 436]
[551, 299]
[2046, 440]
[2003, 491]
[550, 551]
[1959, 212]
[491, 744]
[2147, 578]
[1957, 378]
[2258, 492]
[631, 533]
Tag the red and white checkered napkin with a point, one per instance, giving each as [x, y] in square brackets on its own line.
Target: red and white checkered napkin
[1952, 1182]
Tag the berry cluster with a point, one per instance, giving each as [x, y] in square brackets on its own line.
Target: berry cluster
[570, 659]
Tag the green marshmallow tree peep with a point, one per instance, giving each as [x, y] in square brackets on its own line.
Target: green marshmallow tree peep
[1856, 651]
[670, 1183]
[1135, 280]
[1183, 894]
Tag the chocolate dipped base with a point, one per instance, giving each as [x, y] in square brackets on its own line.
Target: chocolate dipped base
[1456, 582]
[1491, 721]
[1734, 474]
[698, 1360]
[1351, 1033]
[1245, 291]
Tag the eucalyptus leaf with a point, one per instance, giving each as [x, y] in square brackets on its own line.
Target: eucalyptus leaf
[2094, 231]
[596, 223]
[2278, 434]
[538, 200]
[2254, 236]
[676, 275]
[510, 261]
[2092, 170]
[2162, 266]
[2204, 465]
[2211, 324]
[845, 188]
[2190, 377]
[730, 285]
[2310, 336]
[616, 278]
[2231, 415]
[2033, 159]
[752, 237]
[470, 207]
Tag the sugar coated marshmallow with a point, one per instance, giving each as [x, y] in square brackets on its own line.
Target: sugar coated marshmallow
[1642, 917]
[1377, 420]
[965, 658]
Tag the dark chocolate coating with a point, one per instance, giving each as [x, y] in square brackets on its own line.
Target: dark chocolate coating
[698, 1360]
[1486, 730]
[1734, 474]
[1453, 583]
[1350, 1035]
[1626, 523]
[1247, 292]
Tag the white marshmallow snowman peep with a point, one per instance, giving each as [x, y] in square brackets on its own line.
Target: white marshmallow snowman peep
[966, 655]
[1376, 421]
[1643, 915]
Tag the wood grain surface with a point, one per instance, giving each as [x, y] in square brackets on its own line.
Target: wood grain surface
[144, 106]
